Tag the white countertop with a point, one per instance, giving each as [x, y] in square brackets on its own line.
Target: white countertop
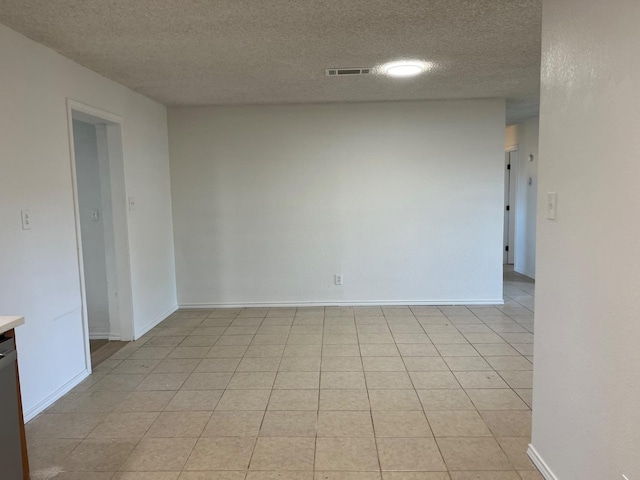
[7, 323]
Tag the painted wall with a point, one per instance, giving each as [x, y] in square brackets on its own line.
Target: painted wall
[93, 236]
[525, 137]
[586, 420]
[403, 199]
[39, 267]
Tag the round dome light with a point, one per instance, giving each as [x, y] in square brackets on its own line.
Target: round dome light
[405, 68]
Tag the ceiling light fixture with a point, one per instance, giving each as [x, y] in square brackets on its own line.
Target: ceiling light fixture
[405, 68]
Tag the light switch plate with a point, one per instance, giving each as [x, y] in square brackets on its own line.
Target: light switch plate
[26, 220]
[552, 199]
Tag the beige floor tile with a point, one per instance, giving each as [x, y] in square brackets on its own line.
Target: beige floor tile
[445, 399]
[163, 381]
[457, 350]
[200, 341]
[283, 453]
[64, 425]
[426, 364]
[244, 400]
[457, 423]
[491, 349]
[476, 338]
[189, 352]
[415, 476]
[344, 400]
[348, 476]
[135, 366]
[177, 365]
[467, 364]
[342, 380]
[121, 383]
[218, 365]
[305, 339]
[519, 379]
[530, 475]
[346, 454]
[221, 453]
[194, 400]
[99, 455]
[227, 351]
[344, 424]
[473, 453]
[394, 400]
[369, 329]
[289, 424]
[410, 454]
[516, 450]
[509, 362]
[145, 476]
[341, 339]
[47, 453]
[270, 340]
[159, 454]
[484, 476]
[340, 351]
[526, 394]
[309, 330]
[207, 381]
[279, 475]
[496, 399]
[73, 476]
[250, 380]
[297, 380]
[274, 330]
[383, 364]
[523, 348]
[429, 380]
[400, 424]
[300, 364]
[341, 364]
[294, 400]
[124, 425]
[388, 380]
[508, 423]
[264, 351]
[375, 338]
[178, 424]
[379, 350]
[480, 380]
[302, 350]
[234, 424]
[448, 339]
[259, 364]
[151, 352]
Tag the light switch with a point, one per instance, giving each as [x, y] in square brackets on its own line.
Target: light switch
[26, 220]
[95, 214]
[552, 198]
[132, 204]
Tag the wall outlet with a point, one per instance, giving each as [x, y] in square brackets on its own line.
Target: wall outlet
[26, 220]
[338, 279]
[132, 204]
[552, 199]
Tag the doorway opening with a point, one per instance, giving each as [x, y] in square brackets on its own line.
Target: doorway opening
[510, 181]
[101, 230]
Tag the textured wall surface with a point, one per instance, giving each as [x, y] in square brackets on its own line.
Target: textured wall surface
[404, 199]
[586, 420]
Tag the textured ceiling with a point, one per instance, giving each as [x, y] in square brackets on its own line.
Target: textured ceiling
[220, 52]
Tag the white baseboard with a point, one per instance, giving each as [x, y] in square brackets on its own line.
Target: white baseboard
[540, 464]
[51, 399]
[496, 301]
[141, 331]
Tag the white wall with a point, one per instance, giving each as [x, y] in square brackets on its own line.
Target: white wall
[524, 136]
[403, 199]
[39, 267]
[586, 396]
[93, 237]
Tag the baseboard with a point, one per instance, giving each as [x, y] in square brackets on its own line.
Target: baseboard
[141, 331]
[51, 399]
[497, 301]
[540, 464]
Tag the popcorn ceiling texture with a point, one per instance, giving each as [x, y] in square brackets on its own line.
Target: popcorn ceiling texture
[230, 52]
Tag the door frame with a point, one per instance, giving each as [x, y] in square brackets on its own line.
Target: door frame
[512, 173]
[109, 145]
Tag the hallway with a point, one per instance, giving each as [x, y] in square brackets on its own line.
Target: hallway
[334, 393]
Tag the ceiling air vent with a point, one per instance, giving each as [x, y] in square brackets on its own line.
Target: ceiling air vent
[342, 72]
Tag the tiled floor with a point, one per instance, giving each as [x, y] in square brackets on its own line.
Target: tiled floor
[402, 393]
